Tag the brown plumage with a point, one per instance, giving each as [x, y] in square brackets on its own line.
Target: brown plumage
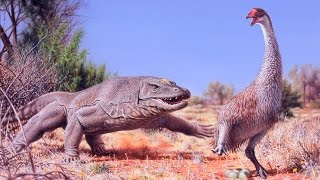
[253, 111]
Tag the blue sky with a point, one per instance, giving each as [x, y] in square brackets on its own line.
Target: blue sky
[196, 42]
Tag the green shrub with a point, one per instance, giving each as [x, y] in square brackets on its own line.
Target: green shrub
[290, 99]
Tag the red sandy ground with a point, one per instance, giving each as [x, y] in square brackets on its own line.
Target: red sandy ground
[134, 152]
[210, 168]
[156, 157]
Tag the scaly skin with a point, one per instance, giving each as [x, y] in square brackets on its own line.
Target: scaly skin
[118, 104]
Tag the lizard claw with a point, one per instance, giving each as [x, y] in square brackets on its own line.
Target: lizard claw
[12, 149]
[69, 159]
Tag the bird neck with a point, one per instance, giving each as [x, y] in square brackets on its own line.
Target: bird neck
[271, 68]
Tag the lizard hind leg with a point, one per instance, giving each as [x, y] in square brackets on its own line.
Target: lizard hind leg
[97, 145]
[49, 118]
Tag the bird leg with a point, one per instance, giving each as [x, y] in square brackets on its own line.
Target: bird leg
[224, 131]
[251, 154]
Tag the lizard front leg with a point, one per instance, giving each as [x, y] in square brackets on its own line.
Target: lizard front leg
[178, 124]
[97, 145]
[72, 138]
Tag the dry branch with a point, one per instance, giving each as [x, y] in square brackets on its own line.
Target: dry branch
[26, 75]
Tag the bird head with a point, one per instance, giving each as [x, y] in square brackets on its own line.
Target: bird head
[258, 15]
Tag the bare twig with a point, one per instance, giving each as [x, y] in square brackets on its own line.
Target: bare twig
[24, 136]
[28, 53]
[49, 175]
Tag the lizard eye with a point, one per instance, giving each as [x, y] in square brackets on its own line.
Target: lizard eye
[154, 87]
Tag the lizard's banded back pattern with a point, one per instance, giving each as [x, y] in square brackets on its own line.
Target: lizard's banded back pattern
[117, 104]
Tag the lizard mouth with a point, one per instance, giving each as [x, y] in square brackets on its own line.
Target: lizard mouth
[174, 100]
[168, 103]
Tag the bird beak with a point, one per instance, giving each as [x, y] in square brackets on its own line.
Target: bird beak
[253, 16]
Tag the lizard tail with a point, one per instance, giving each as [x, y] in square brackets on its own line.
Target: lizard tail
[31, 108]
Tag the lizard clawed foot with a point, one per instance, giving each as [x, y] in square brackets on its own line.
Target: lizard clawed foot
[100, 150]
[219, 150]
[69, 159]
[203, 130]
[12, 149]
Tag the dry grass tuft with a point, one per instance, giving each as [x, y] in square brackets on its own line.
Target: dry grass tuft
[294, 145]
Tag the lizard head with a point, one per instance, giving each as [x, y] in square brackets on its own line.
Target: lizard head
[162, 94]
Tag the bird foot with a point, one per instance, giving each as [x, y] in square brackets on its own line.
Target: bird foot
[219, 150]
[261, 172]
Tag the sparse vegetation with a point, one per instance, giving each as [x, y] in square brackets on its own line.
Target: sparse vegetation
[156, 154]
[315, 104]
[196, 100]
[40, 52]
[99, 169]
[26, 75]
[306, 80]
[52, 28]
[295, 145]
[290, 100]
[218, 93]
